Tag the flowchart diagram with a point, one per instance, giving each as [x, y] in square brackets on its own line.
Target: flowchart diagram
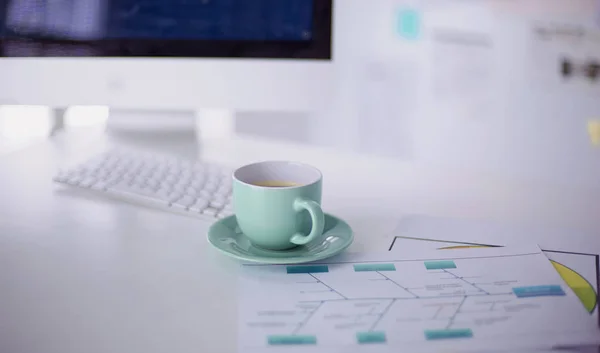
[579, 271]
[457, 301]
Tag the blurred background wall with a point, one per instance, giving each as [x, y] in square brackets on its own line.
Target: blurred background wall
[499, 86]
[467, 84]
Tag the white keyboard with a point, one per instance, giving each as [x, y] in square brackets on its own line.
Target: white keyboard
[193, 188]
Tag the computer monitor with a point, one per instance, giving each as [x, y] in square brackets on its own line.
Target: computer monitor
[167, 54]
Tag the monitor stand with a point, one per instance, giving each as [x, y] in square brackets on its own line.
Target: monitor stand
[178, 133]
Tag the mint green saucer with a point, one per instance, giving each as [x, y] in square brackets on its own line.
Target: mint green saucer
[226, 236]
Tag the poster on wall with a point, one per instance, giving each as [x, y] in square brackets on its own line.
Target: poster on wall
[562, 43]
[577, 10]
[462, 72]
[565, 55]
[461, 58]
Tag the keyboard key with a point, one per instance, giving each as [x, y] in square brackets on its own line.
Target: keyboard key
[139, 180]
[216, 205]
[221, 194]
[201, 204]
[191, 191]
[186, 200]
[210, 212]
[119, 170]
[73, 181]
[183, 185]
[135, 188]
[148, 191]
[219, 205]
[101, 174]
[122, 186]
[179, 188]
[178, 206]
[99, 186]
[195, 209]
[220, 198]
[226, 186]
[224, 214]
[196, 183]
[205, 194]
[161, 171]
[86, 183]
[61, 178]
[128, 178]
[114, 173]
[113, 179]
[162, 194]
[213, 179]
[174, 197]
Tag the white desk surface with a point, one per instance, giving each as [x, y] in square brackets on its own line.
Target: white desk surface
[88, 274]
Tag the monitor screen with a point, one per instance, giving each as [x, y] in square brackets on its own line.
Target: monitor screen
[204, 28]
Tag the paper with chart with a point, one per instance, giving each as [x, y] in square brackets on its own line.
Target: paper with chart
[467, 299]
[579, 270]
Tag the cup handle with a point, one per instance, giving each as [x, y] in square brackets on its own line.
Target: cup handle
[318, 220]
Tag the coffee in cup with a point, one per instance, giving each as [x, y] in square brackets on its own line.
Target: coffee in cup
[275, 184]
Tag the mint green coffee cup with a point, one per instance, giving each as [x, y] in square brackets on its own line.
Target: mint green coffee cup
[277, 203]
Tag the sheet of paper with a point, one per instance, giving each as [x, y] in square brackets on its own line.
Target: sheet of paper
[387, 106]
[580, 271]
[463, 82]
[462, 60]
[428, 300]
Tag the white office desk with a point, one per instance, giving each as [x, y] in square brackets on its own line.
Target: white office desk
[88, 274]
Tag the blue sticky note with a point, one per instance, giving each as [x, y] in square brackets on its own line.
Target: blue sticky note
[439, 265]
[291, 340]
[370, 337]
[409, 24]
[374, 267]
[448, 334]
[538, 291]
[308, 269]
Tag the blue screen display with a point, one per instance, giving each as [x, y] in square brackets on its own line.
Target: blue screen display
[211, 19]
[264, 20]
